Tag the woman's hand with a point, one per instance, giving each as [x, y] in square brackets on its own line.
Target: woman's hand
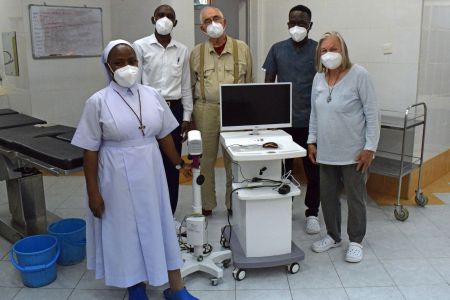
[97, 205]
[312, 152]
[364, 160]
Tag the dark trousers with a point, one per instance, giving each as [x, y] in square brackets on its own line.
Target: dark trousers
[332, 180]
[172, 174]
[312, 200]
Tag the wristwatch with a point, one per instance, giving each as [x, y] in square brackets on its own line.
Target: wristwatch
[180, 165]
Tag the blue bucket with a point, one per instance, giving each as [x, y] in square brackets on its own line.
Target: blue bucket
[36, 259]
[71, 235]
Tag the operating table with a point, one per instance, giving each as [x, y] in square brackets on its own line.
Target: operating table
[27, 146]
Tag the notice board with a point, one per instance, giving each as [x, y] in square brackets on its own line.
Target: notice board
[64, 31]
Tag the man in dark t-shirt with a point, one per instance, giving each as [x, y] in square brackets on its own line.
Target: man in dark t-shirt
[292, 60]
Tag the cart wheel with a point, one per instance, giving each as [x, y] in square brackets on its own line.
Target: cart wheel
[293, 268]
[421, 200]
[402, 215]
[226, 263]
[238, 274]
[214, 281]
[224, 243]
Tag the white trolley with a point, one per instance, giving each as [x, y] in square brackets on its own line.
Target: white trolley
[261, 231]
[401, 164]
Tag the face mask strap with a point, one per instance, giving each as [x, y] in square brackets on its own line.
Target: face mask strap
[109, 66]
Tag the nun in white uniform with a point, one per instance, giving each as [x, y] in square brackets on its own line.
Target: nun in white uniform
[130, 232]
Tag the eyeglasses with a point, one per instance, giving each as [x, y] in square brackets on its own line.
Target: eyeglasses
[212, 19]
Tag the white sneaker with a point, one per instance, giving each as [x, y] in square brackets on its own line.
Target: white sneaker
[354, 253]
[325, 244]
[312, 225]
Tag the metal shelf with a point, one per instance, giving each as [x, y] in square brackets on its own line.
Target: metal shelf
[391, 166]
[398, 122]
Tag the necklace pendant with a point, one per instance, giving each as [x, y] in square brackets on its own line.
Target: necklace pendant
[329, 99]
[142, 127]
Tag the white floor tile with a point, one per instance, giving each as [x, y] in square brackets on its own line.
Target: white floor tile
[374, 293]
[392, 245]
[411, 272]
[71, 212]
[5, 246]
[315, 274]
[263, 295]
[215, 295]
[431, 292]
[320, 294]
[98, 294]
[275, 278]
[8, 293]
[9, 276]
[75, 201]
[68, 276]
[367, 273]
[432, 247]
[43, 294]
[442, 265]
[444, 197]
[88, 282]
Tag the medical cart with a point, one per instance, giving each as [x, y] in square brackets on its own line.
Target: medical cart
[261, 231]
[401, 164]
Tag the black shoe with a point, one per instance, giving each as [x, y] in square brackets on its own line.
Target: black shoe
[230, 211]
[206, 212]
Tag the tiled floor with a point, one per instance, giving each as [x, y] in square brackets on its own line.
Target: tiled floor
[403, 260]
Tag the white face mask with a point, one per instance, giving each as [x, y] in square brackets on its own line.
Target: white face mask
[298, 33]
[126, 76]
[164, 26]
[214, 30]
[331, 60]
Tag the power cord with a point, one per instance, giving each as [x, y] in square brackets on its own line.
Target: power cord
[184, 246]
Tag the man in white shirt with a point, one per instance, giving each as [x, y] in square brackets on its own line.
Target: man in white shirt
[164, 65]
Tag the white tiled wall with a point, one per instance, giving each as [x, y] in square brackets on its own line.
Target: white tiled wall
[131, 19]
[365, 25]
[434, 75]
[11, 19]
[51, 89]
[60, 87]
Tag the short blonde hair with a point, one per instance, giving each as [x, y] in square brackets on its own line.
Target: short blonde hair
[210, 7]
[346, 63]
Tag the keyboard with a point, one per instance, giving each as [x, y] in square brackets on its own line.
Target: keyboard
[247, 148]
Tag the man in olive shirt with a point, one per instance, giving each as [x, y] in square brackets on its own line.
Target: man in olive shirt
[213, 63]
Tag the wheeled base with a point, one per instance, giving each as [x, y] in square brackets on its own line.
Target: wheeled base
[241, 262]
[207, 264]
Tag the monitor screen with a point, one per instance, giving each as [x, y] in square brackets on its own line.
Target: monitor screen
[255, 106]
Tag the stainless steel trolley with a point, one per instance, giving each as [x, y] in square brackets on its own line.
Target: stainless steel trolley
[401, 164]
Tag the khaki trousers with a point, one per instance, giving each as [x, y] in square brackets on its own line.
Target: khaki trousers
[207, 120]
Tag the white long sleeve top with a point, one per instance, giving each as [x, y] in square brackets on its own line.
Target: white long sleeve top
[347, 124]
[167, 70]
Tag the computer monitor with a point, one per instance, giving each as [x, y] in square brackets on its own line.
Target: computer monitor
[253, 106]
